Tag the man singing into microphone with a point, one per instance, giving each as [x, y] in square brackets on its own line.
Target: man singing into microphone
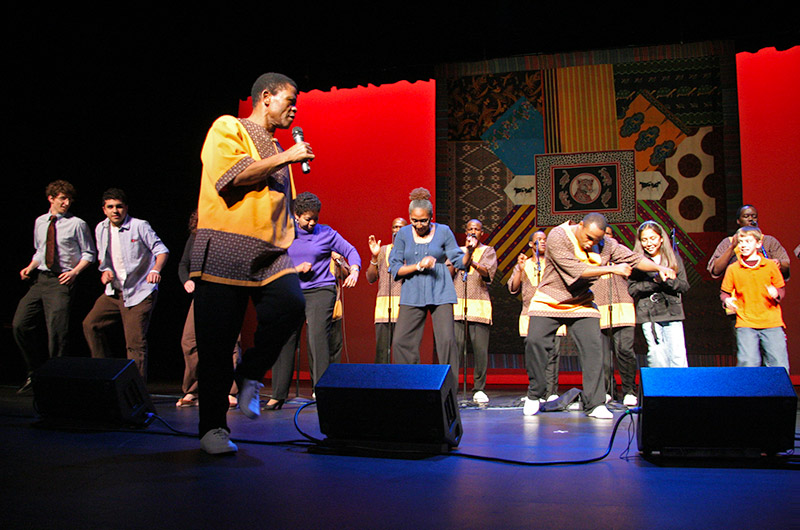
[245, 225]
[473, 311]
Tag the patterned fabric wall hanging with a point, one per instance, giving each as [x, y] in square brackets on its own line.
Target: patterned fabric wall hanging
[504, 122]
[568, 186]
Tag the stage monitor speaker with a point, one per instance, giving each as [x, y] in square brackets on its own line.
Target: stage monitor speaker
[391, 406]
[719, 412]
[108, 391]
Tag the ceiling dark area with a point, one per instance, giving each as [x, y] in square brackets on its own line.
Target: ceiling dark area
[379, 50]
[105, 81]
[349, 44]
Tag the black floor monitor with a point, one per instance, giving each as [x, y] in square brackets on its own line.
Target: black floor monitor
[389, 406]
[722, 411]
[108, 391]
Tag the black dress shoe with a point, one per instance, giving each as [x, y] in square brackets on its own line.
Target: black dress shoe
[275, 406]
[27, 387]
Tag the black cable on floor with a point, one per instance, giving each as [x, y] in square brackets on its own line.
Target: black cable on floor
[555, 462]
[237, 440]
[479, 457]
[296, 426]
[175, 432]
[311, 441]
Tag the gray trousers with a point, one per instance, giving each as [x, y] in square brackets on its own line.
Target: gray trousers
[410, 327]
[46, 302]
[479, 338]
[539, 344]
[383, 341]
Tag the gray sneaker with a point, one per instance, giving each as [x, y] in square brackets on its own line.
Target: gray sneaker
[217, 442]
[250, 398]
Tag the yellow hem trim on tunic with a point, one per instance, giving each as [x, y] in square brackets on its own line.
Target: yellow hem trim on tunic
[475, 308]
[240, 283]
[382, 307]
[621, 315]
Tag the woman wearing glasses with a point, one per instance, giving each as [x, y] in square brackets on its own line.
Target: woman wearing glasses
[419, 258]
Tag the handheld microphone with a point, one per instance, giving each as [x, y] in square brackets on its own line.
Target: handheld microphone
[754, 223]
[297, 134]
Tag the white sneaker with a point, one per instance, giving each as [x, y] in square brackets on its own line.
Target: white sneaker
[600, 412]
[630, 400]
[250, 398]
[608, 398]
[530, 407]
[217, 442]
[575, 405]
[553, 397]
[480, 397]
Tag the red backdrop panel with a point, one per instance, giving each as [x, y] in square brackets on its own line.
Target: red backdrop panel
[373, 145]
[769, 114]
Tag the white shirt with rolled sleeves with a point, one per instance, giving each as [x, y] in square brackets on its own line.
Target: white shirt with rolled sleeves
[139, 245]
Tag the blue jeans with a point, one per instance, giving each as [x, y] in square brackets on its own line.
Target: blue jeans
[665, 345]
[772, 341]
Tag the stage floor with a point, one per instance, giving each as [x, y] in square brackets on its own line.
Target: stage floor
[151, 478]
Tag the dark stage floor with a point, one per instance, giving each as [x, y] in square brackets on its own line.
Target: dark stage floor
[149, 478]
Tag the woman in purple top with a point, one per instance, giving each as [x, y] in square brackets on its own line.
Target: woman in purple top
[311, 255]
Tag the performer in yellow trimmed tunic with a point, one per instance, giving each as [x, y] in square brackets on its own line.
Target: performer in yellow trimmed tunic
[577, 256]
[387, 302]
[474, 288]
[525, 279]
[617, 324]
[245, 225]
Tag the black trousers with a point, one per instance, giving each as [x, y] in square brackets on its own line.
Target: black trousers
[551, 372]
[622, 340]
[585, 332]
[219, 312]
